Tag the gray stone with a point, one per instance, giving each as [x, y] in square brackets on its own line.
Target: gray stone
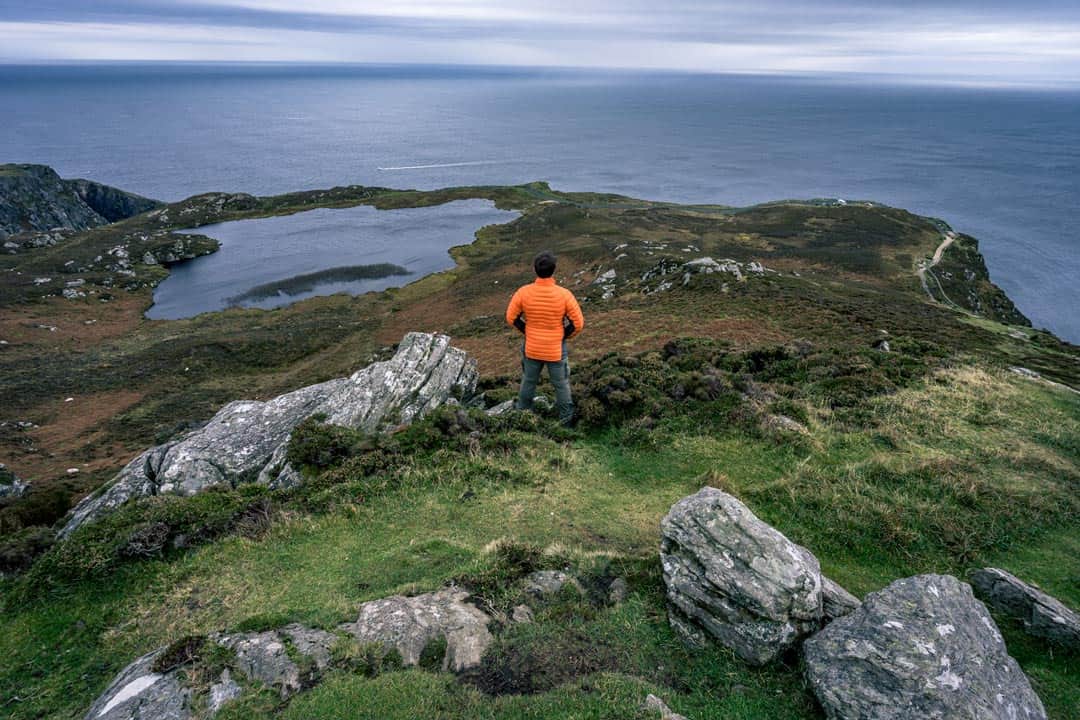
[138, 692]
[655, 704]
[221, 692]
[923, 647]
[1043, 616]
[836, 601]
[521, 614]
[10, 484]
[246, 439]
[734, 578]
[501, 409]
[617, 591]
[408, 624]
[548, 583]
[265, 657]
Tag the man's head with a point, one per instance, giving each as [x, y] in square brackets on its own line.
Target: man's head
[544, 264]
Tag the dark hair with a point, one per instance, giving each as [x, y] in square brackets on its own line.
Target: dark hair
[544, 264]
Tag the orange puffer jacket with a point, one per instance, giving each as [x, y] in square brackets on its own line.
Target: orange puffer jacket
[544, 305]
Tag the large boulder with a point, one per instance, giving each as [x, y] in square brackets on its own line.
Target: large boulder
[923, 647]
[736, 579]
[409, 624]
[246, 439]
[139, 692]
[1042, 615]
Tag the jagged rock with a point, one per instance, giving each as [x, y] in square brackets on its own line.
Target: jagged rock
[923, 647]
[836, 602]
[246, 439]
[221, 692]
[548, 583]
[733, 577]
[1042, 615]
[655, 704]
[265, 658]
[138, 692]
[408, 624]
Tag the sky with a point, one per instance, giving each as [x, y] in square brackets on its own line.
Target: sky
[1036, 42]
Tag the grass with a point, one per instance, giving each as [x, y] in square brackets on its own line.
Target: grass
[858, 499]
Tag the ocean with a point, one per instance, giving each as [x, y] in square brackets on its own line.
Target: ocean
[1001, 165]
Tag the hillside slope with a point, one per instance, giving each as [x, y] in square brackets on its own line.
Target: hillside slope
[786, 353]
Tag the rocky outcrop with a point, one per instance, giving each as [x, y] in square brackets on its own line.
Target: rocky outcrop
[1042, 615]
[733, 578]
[294, 657]
[111, 203]
[10, 484]
[264, 657]
[923, 647]
[34, 197]
[409, 624]
[139, 692]
[246, 440]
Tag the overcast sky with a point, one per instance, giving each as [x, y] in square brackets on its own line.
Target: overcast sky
[1032, 42]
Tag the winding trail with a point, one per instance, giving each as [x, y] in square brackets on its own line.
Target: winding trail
[948, 238]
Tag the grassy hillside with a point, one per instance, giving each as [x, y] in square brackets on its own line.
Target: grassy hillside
[931, 457]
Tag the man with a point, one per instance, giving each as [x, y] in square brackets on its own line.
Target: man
[548, 315]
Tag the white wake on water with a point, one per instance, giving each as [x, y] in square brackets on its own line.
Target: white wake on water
[443, 165]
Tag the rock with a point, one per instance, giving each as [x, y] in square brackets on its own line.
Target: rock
[408, 624]
[10, 484]
[138, 692]
[657, 705]
[836, 602]
[221, 692]
[783, 424]
[1042, 615]
[734, 578]
[521, 614]
[501, 409]
[545, 584]
[264, 657]
[923, 647]
[617, 591]
[35, 198]
[247, 439]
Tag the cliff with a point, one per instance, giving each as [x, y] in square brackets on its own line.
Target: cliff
[35, 197]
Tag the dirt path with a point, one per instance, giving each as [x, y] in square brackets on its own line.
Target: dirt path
[947, 239]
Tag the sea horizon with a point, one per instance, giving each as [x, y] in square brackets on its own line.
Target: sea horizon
[996, 163]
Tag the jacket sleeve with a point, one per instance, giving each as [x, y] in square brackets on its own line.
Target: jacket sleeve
[573, 311]
[513, 310]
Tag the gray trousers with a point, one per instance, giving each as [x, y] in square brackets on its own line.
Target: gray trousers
[558, 373]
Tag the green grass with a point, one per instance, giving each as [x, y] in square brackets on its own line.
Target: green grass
[863, 501]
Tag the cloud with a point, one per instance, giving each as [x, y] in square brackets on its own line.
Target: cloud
[992, 40]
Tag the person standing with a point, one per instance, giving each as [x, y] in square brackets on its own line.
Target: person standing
[548, 315]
